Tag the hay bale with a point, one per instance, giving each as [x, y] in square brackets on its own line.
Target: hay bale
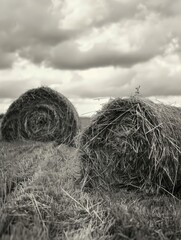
[41, 114]
[133, 142]
[1, 118]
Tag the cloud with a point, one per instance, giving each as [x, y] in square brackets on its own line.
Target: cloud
[124, 45]
[160, 77]
[101, 13]
[81, 35]
[6, 60]
[4, 104]
[165, 8]
[69, 57]
[14, 88]
[29, 25]
[24, 76]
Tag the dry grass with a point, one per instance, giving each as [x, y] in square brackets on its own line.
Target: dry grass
[49, 204]
[133, 143]
[18, 163]
[41, 114]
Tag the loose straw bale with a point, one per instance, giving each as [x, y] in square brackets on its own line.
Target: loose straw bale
[133, 142]
[41, 114]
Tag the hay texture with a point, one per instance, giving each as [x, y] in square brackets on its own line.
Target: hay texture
[133, 142]
[41, 114]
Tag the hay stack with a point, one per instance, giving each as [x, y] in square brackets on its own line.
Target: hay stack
[133, 142]
[41, 114]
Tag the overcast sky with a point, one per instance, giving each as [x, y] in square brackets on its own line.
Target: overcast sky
[91, 50]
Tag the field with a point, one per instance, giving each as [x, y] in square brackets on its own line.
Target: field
[41, 198]
[85, 121]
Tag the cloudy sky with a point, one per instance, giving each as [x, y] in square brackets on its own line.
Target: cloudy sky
[91, 50]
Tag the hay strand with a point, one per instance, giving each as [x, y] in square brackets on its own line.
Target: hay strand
[41, 114]
[133, 142]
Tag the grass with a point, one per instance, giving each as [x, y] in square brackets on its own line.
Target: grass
[48, 203]
[41, 198]
[18, 164]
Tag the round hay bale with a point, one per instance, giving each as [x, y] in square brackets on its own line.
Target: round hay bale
[41, 114]
[133, 142]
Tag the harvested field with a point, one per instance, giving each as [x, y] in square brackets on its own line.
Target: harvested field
[85, 121]
[18, 163]
[133, 143]
[41, 114]
[49, 204]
